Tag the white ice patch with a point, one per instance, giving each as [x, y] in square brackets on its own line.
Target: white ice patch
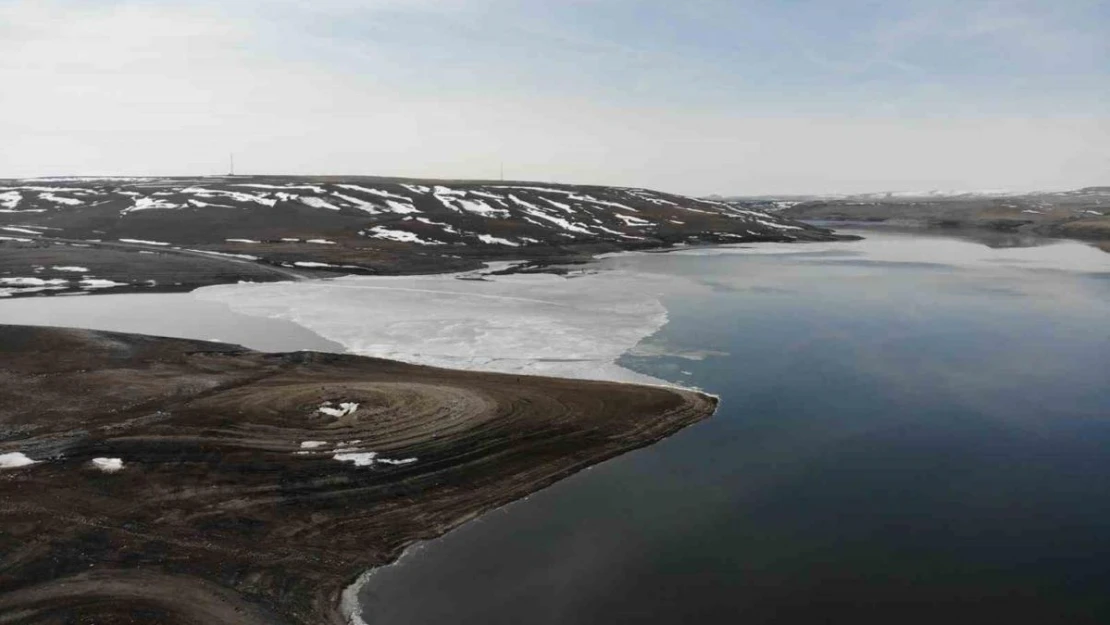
[231, 195]
[359, 459]
[199, 204]
[18, 281]
[108, 465]
[401, 208]
[14, 460]
[316, 202]
[320, 241]
[369, 459]
[343, 410]
[362, 205]
[10, 199]
[150, 203]
[538, 324]
[312, 444]
[96, 283]
[629, 220]
[444, 226]
[377, 192]
[241, 241]
[416, 188]
[301, 187]
[400, 462]
[489, 239]
[57, 199]
[404, 236]
[20, 230]
[16, 239]
[73, 268]
[771, 224]
[539, 213]
[142, 242]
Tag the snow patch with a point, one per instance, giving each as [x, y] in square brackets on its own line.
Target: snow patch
[57, 199]
[73, 268]
[108, 465]
[142, 242]
[20, 230]
[96, 283]
[343, 410]
[14, 460]
[489, 239]
[316, 202]
[404, 236]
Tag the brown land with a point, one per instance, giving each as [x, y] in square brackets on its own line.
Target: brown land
[219, 515]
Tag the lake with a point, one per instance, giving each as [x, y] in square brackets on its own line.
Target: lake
[913, 428]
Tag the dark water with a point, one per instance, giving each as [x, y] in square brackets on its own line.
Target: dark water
[916, 435]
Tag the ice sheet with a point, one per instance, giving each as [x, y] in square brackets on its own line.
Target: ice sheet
[537, 324]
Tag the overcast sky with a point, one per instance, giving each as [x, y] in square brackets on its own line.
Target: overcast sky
[692, 96]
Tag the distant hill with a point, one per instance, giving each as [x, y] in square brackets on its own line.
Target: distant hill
[196, 231]
[1082, 213]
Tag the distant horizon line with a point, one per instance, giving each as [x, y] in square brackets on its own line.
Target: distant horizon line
[935, 192]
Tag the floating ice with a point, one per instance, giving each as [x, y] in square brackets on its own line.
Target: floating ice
[141, 242]
[312, 444]
[74, 269]
[320, 241]
[312, 264]
[539, 324]
[241, 241]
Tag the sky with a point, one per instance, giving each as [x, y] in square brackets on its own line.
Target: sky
[698, 96]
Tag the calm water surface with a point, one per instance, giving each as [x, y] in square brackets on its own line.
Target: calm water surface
[912, 430]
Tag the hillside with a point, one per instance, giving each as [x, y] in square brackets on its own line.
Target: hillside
[62, 235]
[1080, 214]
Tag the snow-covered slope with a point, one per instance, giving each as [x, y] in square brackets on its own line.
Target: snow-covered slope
[374, 211]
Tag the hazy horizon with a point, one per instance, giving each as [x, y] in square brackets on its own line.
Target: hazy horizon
[730, 98]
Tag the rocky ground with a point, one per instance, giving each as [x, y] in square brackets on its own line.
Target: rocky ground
[150, 480]
[170, 234]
